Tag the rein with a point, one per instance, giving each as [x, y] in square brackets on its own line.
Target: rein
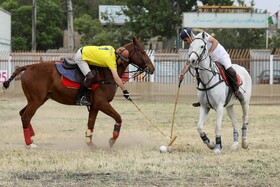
[212, 68]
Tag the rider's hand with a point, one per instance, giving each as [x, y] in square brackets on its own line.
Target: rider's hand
[126, 94]
[181, 77]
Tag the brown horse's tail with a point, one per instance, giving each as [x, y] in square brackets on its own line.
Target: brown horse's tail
[6, 84]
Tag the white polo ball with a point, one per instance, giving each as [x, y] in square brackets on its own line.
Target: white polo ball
[163, 149]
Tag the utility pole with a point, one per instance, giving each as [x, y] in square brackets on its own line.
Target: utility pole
[34, 26]
[70, 25]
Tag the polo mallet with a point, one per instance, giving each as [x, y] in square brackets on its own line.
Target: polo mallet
[171, 140]
[173, 117]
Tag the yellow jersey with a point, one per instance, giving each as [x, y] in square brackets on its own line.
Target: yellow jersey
[101, 56]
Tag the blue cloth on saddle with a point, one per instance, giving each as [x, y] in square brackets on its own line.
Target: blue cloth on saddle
[68, 73]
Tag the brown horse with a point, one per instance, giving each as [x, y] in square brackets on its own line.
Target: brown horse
[42, 81]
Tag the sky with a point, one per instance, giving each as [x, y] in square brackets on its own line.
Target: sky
[272, 6]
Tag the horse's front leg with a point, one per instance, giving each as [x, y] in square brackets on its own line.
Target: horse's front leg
[202, 119]
[245, 118]
[231, 115]
[110, 111]
[219, 114]
[91, 121]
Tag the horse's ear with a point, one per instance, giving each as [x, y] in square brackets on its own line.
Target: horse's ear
[134, 40]
[137, 40]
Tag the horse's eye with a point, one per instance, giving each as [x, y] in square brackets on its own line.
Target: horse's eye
[202, 47]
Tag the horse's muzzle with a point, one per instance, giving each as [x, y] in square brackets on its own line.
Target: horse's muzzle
[148, 71]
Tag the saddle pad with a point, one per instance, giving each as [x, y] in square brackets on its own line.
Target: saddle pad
[70, 84]
[68, 73]
[70, 79]
[222, 71]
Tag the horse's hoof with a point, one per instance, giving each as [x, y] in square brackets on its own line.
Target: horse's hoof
[112, 142]
[235, 146]
[31, 146]
[245, 144]
[211, 145]
[91, 145]
[88, 136]
[217, 151]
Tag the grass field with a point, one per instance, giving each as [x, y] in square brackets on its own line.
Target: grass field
[63, 159]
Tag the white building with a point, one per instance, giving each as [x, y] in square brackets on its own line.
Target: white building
[5, 30]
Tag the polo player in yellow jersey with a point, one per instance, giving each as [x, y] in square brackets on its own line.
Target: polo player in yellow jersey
[101, 56]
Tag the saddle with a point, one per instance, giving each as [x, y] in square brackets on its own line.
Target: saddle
[225, 77]
[71, 75]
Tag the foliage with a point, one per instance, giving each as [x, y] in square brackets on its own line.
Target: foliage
[218, 2]
[49, 25]
[156, 18]
[275, 40]
[148, 19]
[240, 38]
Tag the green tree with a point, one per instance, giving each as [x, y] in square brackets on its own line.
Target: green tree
[154, 18]
[87, 23]
[219, 2]
[50, 23]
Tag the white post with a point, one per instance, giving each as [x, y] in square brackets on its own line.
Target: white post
[70, 25]
[34, 26]
[266, 39]
[152, 77]
[9, 66]
[271, 70]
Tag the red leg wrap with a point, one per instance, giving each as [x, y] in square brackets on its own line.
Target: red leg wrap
[116, 134]
[27, 136]
[32, 133]
[116, 131]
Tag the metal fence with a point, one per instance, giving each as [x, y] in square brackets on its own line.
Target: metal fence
[263, 67]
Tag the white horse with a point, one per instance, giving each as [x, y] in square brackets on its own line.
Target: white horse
[214, 93]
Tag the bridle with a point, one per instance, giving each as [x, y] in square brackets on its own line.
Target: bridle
[139, 70]
[200, 57]
[212, 69]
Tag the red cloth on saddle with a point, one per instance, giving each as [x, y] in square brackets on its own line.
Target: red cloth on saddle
[70, 84]
[222, 71]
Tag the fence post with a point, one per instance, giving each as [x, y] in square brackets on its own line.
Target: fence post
[152, 77]
[9, 66]
[271, 69]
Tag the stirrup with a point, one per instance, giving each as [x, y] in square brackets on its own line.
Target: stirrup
[197, 104]
[83, 101]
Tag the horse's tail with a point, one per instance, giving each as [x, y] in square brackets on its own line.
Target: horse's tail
[6, 84]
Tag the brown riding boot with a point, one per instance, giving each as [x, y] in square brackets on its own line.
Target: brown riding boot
[84, 88]
[231, 73]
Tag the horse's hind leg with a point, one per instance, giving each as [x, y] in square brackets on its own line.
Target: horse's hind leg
[32, 133]
[245, 118]
[26, 115]
[202, 119]
[231, 115]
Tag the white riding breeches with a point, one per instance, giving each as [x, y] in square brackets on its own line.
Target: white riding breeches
[83, 65]
[225, 61]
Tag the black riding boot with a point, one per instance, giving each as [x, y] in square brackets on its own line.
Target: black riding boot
[197, 104]
[81, 96]
[84, 88]
[231, 73]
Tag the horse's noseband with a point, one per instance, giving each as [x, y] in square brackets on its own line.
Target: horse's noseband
[140, 56]
[199, 57]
